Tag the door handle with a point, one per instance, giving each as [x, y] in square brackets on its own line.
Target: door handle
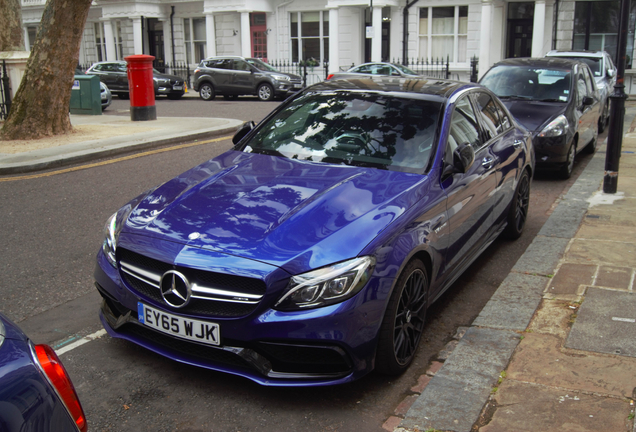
[517, 143]
[487, 162]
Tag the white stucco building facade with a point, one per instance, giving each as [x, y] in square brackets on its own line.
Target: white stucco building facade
[340, 32]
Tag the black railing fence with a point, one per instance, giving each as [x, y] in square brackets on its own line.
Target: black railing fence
[474, 69]
[311, 71]
[5, 92]
[434, 68]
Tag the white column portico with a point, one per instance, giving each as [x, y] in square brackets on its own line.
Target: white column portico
[376, 41]
[167, 47]
[484, 37]
[334, 40]
[210, 35]
[137, 37]
[538, 28]
[111, 54]
[246, 40]
[27, 46]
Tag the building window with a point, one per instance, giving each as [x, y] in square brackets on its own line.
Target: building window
[443, 32]
[194, 35]
[309, 36]
[100, 43]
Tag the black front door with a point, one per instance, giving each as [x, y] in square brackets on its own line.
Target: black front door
[519, 38]
[155, 42]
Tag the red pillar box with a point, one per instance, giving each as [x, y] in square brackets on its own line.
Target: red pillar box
[142, 89]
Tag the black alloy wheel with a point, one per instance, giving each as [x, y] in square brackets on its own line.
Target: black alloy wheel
[403, 322]
[518, 212]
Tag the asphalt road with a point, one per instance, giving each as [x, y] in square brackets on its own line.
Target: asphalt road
[52, 229]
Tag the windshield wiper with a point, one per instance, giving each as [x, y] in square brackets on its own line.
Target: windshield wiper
[516, 97]
[266, 151]
[551, 100]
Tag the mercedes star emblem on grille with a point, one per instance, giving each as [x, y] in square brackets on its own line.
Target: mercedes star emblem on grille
[175, 289]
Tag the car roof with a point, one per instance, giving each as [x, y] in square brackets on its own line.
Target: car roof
[409, 87]
[577, 53]
[545, 62]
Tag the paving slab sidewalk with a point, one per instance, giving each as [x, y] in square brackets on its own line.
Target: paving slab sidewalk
[554, 348]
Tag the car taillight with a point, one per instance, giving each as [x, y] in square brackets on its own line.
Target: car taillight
[329, 76]
[196, 71]
[59, 379]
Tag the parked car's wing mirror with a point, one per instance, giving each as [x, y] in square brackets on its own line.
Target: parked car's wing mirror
[243, 130]
[611, 73]
[463, 157]
[587, 101]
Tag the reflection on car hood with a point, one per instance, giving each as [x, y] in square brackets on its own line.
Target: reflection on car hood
[297, 215]
[534, 115]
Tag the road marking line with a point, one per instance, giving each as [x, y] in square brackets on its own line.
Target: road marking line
[81, 342]
[112, 161]
[629, 320]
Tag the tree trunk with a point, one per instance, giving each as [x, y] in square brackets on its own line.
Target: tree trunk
[11, 34]
[41, 104]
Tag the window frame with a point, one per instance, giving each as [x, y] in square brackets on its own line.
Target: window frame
[191, 51]
[429, 36]
[323, 39]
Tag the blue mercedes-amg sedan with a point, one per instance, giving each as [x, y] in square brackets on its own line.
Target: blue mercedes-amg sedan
[309, 253]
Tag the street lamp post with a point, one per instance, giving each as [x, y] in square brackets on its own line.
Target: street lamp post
[617, 108]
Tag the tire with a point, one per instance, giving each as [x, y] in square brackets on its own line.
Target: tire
[174, 96]
[591, 147]
[265, 92]
[403, 321]
[566, 170]
[518, 211]
[603, 120]
[206, 92]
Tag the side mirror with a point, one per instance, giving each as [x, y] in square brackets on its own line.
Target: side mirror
[242, 131]
[611, 73]
[463, 159]
[587, 101]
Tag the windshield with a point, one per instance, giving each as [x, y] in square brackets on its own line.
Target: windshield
[362, 129]
[261, 65]
[405, 70]
[529, 83]
[593, 63]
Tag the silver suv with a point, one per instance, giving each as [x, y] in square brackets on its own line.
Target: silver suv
[604, 72]
[233, 76]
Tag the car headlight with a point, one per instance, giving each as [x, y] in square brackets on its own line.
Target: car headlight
[556, 127]
[327, 285]
[280, 77]
[112, 229]
[162, 81]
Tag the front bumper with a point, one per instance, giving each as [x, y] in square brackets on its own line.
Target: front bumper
[550, 152]
[324, 346]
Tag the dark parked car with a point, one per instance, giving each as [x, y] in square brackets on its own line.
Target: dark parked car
[556, 99]
[604, 71]
[36, 393]
[375, 69]
[115, 76]
[309, 253]
[235, 76]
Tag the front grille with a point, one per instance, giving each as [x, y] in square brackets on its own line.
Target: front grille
[213, 294]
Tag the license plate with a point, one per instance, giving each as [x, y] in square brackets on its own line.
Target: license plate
[177, 87]
[298, 85]
[178, 326]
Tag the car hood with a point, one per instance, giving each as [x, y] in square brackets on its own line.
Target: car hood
[297, 215]
[167, 76]
[533, 114]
